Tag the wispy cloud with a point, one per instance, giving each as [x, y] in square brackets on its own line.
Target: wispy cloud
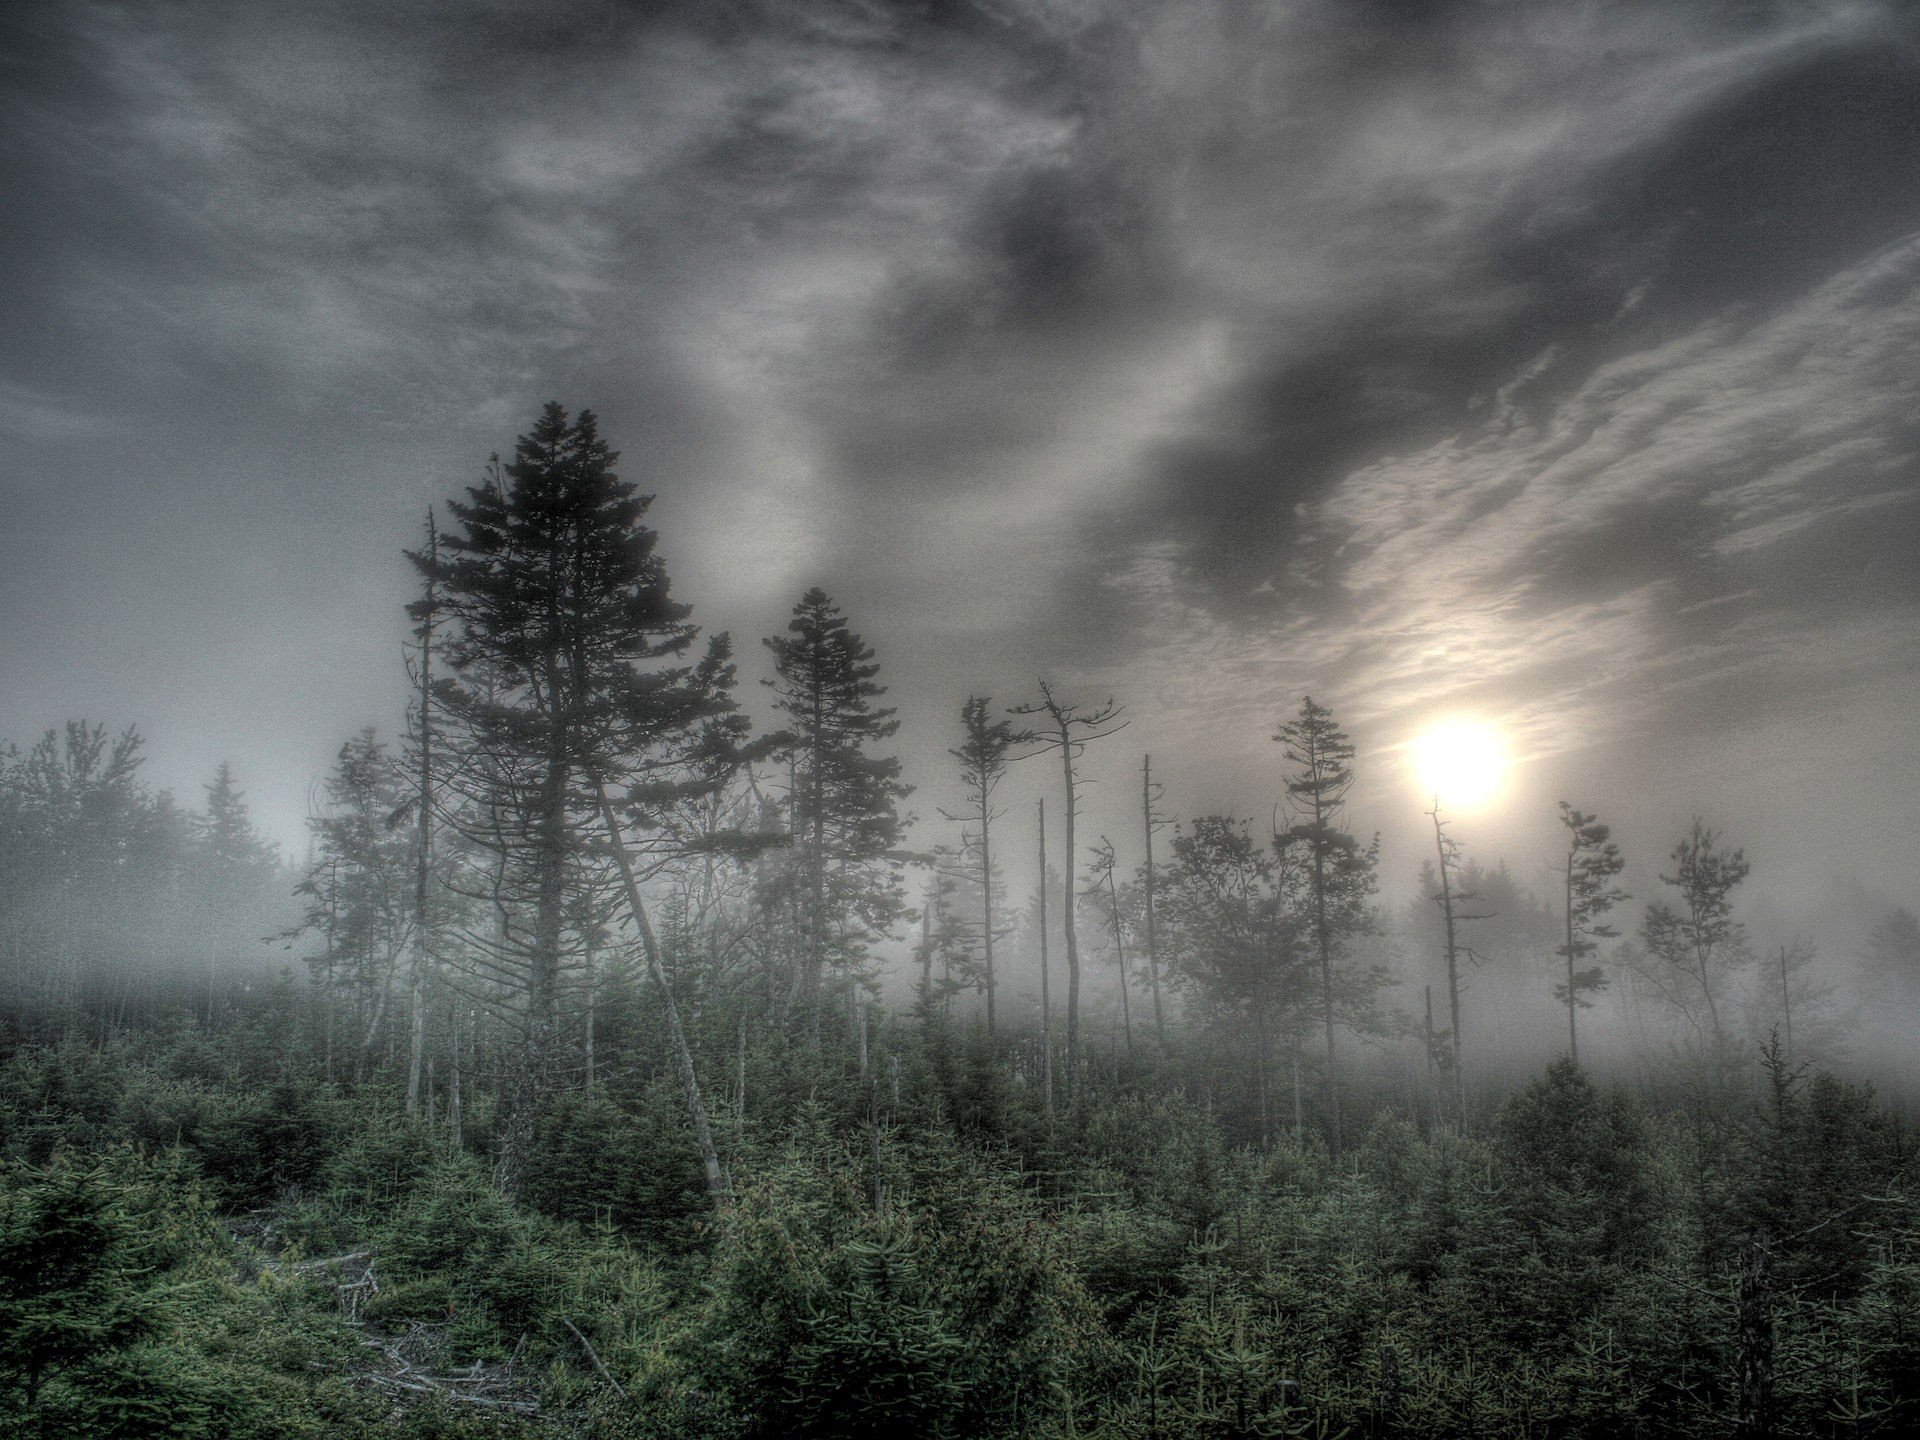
[1725, 509]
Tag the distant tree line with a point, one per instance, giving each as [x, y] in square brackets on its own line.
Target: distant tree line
[111, 891]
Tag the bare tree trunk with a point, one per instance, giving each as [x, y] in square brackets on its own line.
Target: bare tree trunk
[1573, 998]
[740, 1075]
[1153, 954]
[1046, 1000]
[1260, 1072]
[986, 906]
[333, 920]
[1324, 939]
[719, 1191]
[1120, 956]
[1066, 925]
[592, 994]
[926, 965]
[1786, 1000]
[363, 1063]
[1453, 964]
[423, 859]
[456, 1102]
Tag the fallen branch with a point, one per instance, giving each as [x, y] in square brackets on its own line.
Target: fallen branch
[593, 1355]
[524, 1407]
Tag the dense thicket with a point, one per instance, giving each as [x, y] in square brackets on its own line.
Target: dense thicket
[945, 1260]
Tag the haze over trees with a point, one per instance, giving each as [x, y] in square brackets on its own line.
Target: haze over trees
[599, 1079]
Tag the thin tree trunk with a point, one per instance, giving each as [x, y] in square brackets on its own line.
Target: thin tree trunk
[740, 1075]
[1573, 1031]
[423, 859]
[1066, 925]
[456, 1105]
[592, 994]
[1046, 1000]
[1453, 965]
[1786, 1000]
[333, 920]
[1153, 954]
[926, 965]
[1755, 1418]
[1260, 1072]
[363, 1064]
[986, 903]
[1120, 956]
[1325, 940]
[532, 1079]
[719, 1192]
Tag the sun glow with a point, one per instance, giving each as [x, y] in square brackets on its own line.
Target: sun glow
[1460, 762]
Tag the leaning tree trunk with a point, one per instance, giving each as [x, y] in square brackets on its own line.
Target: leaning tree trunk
[719, 1191]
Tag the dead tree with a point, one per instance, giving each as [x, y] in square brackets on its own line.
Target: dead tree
[1071, 730]
[1149, 792]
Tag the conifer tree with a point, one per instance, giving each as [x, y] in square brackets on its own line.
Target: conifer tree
[983, 757]
[236, 866]
[565, 679]
[1339, 871]
[358, 885]
[1592, 861]
[1693, 950]
[844, 801]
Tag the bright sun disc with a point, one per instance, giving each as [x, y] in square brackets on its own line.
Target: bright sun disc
[1460, 762]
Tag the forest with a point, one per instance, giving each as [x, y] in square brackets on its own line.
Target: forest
[616, 1063]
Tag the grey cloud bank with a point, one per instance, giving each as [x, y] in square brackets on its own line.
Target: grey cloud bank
[1548, 362]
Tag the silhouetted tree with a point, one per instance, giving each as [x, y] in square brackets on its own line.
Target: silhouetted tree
[1693, 951]
[1068, 731]
[1592, 861]
[1101, 883]
[237, 867]
[359, 887]
[1150, 821]
[983, 757]
[568, 692]
[1239, 937]
[1339, 870]
[844, 801]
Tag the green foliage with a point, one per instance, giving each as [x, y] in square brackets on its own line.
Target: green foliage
[459, 1252]
[68, 1255]
[953, 1312]
[633, 1165]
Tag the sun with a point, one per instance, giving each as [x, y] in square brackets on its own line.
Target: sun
[1460, 762]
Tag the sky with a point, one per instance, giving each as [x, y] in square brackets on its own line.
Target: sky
[1548, 365]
